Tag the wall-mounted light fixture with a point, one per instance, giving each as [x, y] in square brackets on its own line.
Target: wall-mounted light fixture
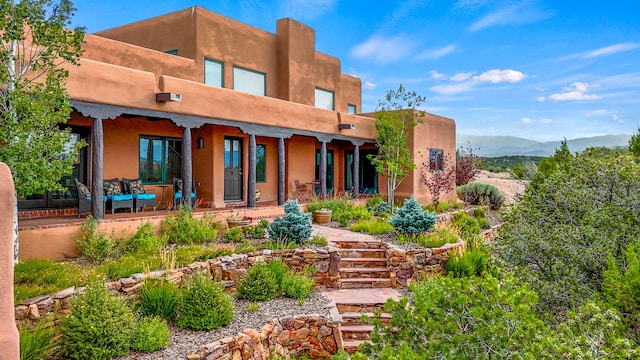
[346, 126]
[168, 96]
[200, 142]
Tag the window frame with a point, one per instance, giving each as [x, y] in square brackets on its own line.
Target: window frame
[351, 106]
[172, 52]
[436, 160]
[325, 91]
[164, 176]
[263, 178]
[213, 61]
[264, 78]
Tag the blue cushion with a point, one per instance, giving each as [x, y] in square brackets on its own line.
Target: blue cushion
[120, 197]
[144, 196]
[104, 198]
[179, 195]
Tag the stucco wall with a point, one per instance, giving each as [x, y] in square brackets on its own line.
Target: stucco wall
[9, 339]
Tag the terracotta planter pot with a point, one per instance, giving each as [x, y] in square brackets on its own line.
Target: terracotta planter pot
[322, 216]
[238, 222]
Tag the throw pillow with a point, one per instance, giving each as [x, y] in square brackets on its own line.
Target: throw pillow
[84, 191]
[112, 187]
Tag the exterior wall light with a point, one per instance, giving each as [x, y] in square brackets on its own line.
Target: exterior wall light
[200, 143]
[168, 97]
[346, 126]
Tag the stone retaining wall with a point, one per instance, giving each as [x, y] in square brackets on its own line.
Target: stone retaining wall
[407, 265]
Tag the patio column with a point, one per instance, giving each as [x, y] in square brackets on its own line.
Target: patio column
[251, 186]
[187, 168]
[323, 169]
[97, 163]
[281, 183]
[356, 171]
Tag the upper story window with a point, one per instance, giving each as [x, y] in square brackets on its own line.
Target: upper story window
[249, 81]
[324, 99]
[436, 160]
[351, 109]
[172, 52]
[213, 73]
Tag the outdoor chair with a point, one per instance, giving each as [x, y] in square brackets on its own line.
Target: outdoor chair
[177, 193]
[115, 197]
[84, 198]
[141, 198]
[302, 191]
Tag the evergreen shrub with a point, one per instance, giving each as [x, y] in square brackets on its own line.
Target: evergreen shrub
[152, 334]
[481, 194]
[204, 305]
[234, 235]
[297, 286]
[411, 220]
[258, 284]
[293, 226]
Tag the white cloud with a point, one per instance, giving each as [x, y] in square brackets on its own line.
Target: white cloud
[369, 85]
[540, 98]
[612, 49]
[498, 76]
[307, 9]
[599, 113]
[449, 89]
[523, 12]
[383, 50]
[438, 53]
[526, 120]
[577, 91]
[436, 75]
[461, 76]
[546, 121]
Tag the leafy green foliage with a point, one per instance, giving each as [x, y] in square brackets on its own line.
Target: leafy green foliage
[183, 228]
[36, 343]
[318, 240]
[481, 194]
[293, 226]
[204, 305]
[94, 243]
[190, 253]
[634, 144]
[434, 239]
[297, 286]
[127, 265]
[259, 284]
[372, 226]
[395, 118]
[343, 210]
[234, 235]
[411, 220]
[144, 240]
[159, 298]
[510, 162]
[278, 268]
[152, 334]
[99, 327]
[472, 262]
[257, 232]
[468, 225]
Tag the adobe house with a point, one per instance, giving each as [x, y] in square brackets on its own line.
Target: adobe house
[229, 108]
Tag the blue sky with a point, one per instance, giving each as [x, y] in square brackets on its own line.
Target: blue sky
[538, 69]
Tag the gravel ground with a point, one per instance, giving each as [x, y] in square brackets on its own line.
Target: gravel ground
[184, 342]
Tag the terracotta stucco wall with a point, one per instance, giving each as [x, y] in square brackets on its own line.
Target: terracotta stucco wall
[9, 338]
[296, 60]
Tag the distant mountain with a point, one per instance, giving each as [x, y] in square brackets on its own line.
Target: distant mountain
[490, 146]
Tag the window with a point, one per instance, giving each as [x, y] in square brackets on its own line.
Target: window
[324, 99]
[261, 163]
[213, 73]
[436, 160]
[160, 159]
[351, 109]
[249, 81]
[172, 52]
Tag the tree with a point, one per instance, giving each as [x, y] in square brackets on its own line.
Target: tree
[439, 181]
[396, 115]
[634, 144]
[468, 165]
[34, 45]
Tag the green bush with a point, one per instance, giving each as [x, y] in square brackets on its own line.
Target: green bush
[434, 239]
[468, 225]
[484, 223]
[278, 268]
[159, 298]
[258, 284]
[183, 228]
[152, 334]
[204, 305]
[94, 243]
[318, 240]
[343, 210]
[297, 286]
[127, 265]
[411, 220]
[234, 235]
[100, 326]
[472, 262]
[372, 226]
[256, 232]
[145, 240]
[293, 226]
[36, 343]
[481, 194]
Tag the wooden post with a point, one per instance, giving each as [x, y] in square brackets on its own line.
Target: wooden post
[251, 176]
[281, 177]
[187, 168]
[356, 172]
[323, 169]
[97, 176]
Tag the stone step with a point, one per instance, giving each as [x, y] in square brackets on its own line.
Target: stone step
[356, 332]
[357, 244]
[364, 283]
[351, 346]
[362, 272]
[354, 318]
[362, 253]
[363, 262]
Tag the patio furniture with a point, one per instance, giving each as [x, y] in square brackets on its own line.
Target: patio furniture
[177, 193]
[84, 198]
[115, 198]
[302, 192]
[141, 198]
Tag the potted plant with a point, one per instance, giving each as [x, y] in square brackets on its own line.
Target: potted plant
[235, 219]
[322, 216]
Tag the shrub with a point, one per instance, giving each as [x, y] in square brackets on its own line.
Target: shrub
[258, 284]
[382, 209]
[159, 298]
[234, 235]
[256, 232]
[411, 220]
[297, 286]
[373, 201]
[437, 238]
[343, 210]
[152, 334]
[469, 226]
[278, 268]
[372, 226]
[36, 343]
[93, 242]
[183, 228]
[318, 240]
[145, 239]
[484, 223]
[204, 305]
[127, 265]
[473, 262]
[293, 226]
[481, 194]
[100, 326]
